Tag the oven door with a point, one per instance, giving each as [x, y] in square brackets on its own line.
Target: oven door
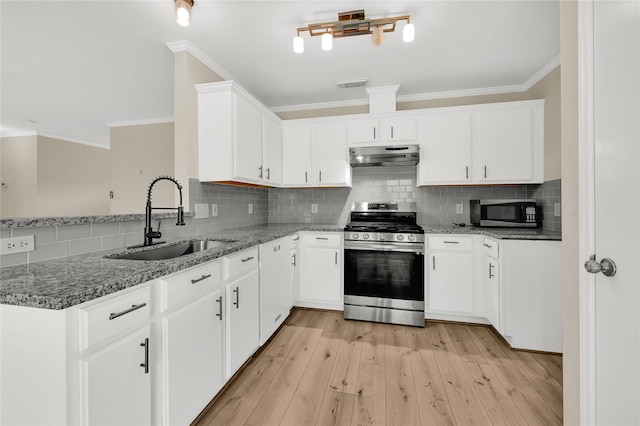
[384, 274]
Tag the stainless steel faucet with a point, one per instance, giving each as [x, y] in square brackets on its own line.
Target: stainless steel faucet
[149, 233]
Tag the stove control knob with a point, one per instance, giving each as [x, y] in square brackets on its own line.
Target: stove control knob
[355, 236]
[365, 236]
[400, 237]
[383, 237]
[411, 237]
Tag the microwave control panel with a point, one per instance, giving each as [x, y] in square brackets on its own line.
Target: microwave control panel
[530, 214]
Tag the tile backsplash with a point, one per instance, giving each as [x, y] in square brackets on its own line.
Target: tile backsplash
[436, 206]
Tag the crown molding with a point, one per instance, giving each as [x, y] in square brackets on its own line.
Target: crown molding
[141, 122]
[515, 88]
[67, 139]
[17, 133]
[187, 46]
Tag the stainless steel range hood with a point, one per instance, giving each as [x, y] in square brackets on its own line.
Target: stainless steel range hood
[380, 156]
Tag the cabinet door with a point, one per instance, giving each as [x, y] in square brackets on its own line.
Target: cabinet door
[399, 129]
[116, 387]
[450, 282]
[243, 320]
[275, 293]
[445, 151]
[330, 155]
[363, 131]
[192, 348]
[272, 152]
[296, 155]
[248, 141]
[294, 275]
[504, 142]
[492, 292]
[320, 278]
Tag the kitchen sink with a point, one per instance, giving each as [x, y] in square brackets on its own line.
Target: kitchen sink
[172, 251]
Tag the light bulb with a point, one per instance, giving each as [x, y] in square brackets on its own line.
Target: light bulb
[298, 44]
[183, 13]
[408, 33]
[377, 36]
[327, 41]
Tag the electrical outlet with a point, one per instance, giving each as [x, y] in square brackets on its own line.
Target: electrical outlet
[314, 208]
[459, 209]
[214, 210]
[17, 244]
[202, 211]
[250, 208]
[557, 209]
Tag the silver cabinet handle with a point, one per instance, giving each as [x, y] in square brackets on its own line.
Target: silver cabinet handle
[260, 175]
[467, 171]
[485, 172]
[374, 132]
[296, 238]
[322, 238]
[490, 269]
[219, 314]
[434, 262]
[131, 309]
[294, 259]
[487, 245]
[452, 242]
[305, 177]
[145, 364]
[247, 259]
[204, 277]
[336, 261]
[276, 248]
[320, 176]
[268, 173]
[391, 132]
[237, 302]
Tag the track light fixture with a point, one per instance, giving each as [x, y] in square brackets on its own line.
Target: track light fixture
[183, 12]
[351, 24]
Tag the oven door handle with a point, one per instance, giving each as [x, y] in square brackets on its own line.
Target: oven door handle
[380, 247]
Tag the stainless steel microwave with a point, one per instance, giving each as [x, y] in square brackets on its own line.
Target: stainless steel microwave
[504, 213]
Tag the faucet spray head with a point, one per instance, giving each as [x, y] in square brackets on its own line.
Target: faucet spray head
[180, 216]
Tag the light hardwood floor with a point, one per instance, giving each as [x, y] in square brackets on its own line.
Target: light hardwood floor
[322, 370]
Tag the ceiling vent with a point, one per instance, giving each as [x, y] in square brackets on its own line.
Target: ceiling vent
[353, 84]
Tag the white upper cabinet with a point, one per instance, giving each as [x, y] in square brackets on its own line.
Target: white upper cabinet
[510, 143]
[315, 154]
[386, 129]
[232, 129]
[482, 144]
[271, 151]
[445, 148]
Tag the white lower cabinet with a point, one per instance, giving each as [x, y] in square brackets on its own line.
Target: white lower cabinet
[243, 320]
[192, 352]
[275, 290]
[116, 384]
[321, 276]
[490, 276]
[450, 277]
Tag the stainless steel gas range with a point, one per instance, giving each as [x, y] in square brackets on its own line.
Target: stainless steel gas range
[384, 264]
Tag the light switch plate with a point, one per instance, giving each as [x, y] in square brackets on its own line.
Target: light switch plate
[250, 208]
[202, 211]
[459, 209]
[557, 209]
[214, 210]
[314, 208]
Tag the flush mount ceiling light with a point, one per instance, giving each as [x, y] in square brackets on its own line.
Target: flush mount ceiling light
[354, 23]
[183, 12]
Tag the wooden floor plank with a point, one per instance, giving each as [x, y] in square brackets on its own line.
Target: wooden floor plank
[433, 402]
[373, 344]
[466, 406]
[552, 364]
[275, 401]
[336, 325]
[494, 397]
[369, 404]
[336, 409]
[531, 406]
[464, 346]
[549, 389]
[305, 404]
[281, 343]
[401, 398]
[344, 375]
[235, 405]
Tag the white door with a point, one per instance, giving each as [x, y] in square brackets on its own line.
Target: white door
[610, 182]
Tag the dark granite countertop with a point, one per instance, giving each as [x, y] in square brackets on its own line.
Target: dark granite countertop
[62, 283]
[499, 233]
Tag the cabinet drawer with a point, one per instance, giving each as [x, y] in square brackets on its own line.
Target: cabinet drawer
[184, 286]
[491, 248]
[323, 239]
[241, 263]
[450, 243]
[114, 316]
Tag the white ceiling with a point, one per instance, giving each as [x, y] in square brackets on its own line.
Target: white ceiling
[72, 67]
